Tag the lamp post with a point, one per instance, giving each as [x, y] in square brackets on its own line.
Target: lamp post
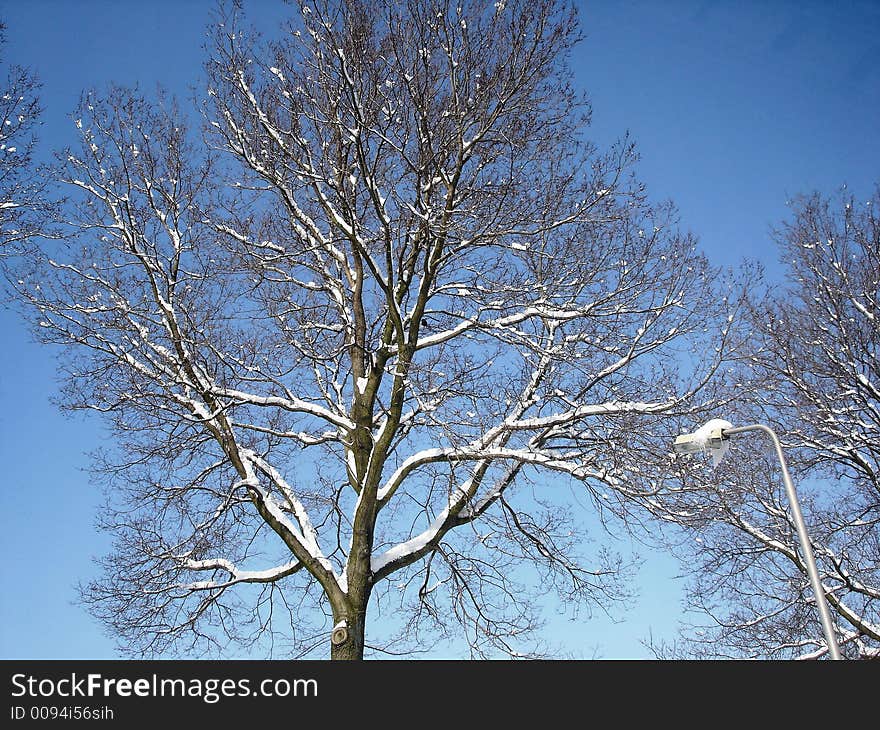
[712, 436]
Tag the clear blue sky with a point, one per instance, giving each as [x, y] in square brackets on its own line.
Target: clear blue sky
[735, 106]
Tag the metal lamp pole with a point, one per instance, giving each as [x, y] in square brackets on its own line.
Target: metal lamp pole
[824, 614]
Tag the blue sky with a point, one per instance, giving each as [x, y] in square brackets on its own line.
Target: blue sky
[735, 106]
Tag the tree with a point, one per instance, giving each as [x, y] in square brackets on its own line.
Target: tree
[815, 377]
[19, 117]
[353, 330]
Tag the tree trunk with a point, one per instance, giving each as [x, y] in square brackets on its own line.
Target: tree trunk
[347, 641]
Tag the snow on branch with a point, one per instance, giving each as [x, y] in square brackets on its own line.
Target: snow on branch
[269, 575]
[292, 404]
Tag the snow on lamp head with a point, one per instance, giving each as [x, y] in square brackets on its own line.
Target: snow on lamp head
[708, 437]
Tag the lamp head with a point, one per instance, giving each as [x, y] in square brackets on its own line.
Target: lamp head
[709, 437]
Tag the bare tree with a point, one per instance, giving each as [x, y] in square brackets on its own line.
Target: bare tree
[19, 117]
[356, 342]
[815, 377]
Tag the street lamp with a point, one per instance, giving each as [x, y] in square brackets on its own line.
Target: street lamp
[714, 437]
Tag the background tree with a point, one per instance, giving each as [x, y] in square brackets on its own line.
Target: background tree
[815, 377]
[19, 117]
[352, 332]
